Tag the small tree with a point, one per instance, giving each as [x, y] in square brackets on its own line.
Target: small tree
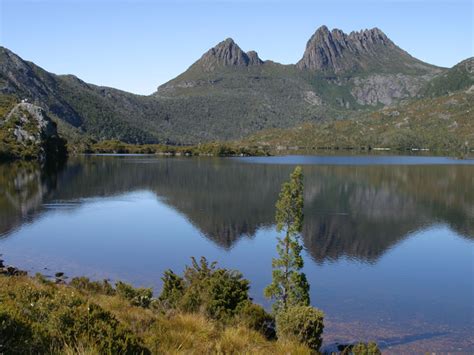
[289, 285]
[304, 324]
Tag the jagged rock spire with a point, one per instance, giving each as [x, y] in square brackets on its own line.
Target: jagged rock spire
[228, 53]
[336, 51]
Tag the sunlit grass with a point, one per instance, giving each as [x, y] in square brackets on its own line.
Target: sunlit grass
[40, 306]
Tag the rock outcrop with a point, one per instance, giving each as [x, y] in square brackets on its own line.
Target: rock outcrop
[29, 133]
[337, 52]
[385, 89]
[228, 53]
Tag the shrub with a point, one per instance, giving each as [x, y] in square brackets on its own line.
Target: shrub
[301, 323]
[225, 291]
[204, 288]
[99, 287]
[17, 336]
[370, 348]
[141, 297]
[42, 319]
[253, 316]
[93, 325]
[215, 292]
[172, 290]
[42, 279]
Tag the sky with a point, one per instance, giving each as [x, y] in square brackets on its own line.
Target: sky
[138, 45]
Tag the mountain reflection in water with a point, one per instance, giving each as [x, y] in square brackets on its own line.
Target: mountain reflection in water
[357, 211]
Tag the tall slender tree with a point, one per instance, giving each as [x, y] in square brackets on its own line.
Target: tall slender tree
[289, 285]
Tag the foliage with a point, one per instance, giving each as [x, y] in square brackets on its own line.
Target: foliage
[370, 348]
[434, 123]
[7, 103]
[301, 323]
[172, 290]
[459, 77]
[289, 286]
[53, 147]
[207, 149]
[16, 336]
[204, 288]
[39, 317]
[10, 148]
[253, 316]
[85, 284]
[141, 297]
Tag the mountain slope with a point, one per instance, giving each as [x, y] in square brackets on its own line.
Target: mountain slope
[101, 112]
[459, 77]
[230, 93]
[435, 123]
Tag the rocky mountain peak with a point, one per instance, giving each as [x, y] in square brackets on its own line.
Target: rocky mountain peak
[336, 51]
[253, 58]
[228, 53]
[367, 38]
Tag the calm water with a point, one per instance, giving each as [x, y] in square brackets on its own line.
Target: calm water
[389, 241]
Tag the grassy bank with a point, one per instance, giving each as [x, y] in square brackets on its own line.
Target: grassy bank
[86, 317]
[40, 316]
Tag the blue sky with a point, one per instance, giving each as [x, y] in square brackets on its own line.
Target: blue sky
[138, 45]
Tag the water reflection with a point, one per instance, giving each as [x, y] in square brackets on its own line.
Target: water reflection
[357, 212]
[24, 187]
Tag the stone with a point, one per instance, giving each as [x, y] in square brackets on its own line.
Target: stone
[337, 52]
[30, 127]
[228, 53]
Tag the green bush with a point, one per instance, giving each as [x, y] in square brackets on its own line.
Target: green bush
[141, 297]
[301, 323]
[225, 292]
[255, 317]
[370, 348]
[48, 318]
[93, 325]
[17, 336]
[207, 289]
[99, 287]
[215, 292]
[172, 290]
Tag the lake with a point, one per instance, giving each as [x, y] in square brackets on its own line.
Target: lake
[388, 241]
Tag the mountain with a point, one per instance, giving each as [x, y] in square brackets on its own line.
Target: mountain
[232, 96]
[227, 53]
[229, 93]
[364, 51]
[459, 77]
[81, 108]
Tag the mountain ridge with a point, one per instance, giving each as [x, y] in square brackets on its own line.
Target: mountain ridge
[338, 52]
[229, 93]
